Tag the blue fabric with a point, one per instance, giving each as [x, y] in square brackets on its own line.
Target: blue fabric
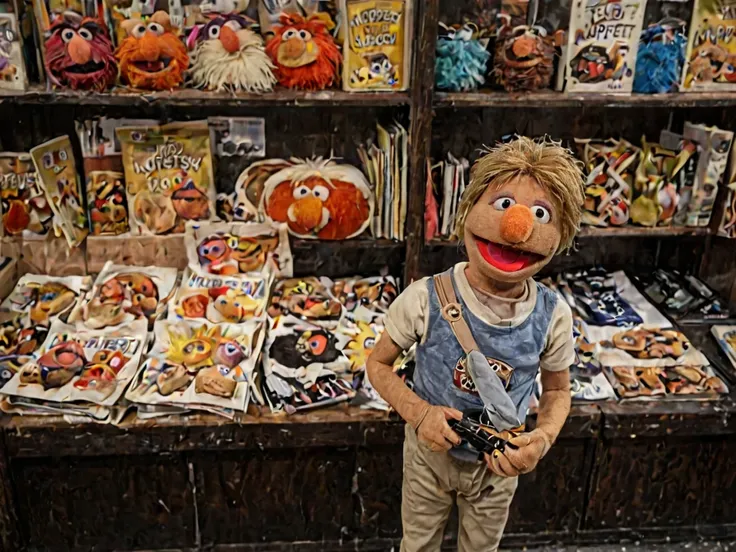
[520, 347]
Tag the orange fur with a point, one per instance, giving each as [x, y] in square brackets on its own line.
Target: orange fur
[517, 224]
[318, 75]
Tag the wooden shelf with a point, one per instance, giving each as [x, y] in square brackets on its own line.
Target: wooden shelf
[613, 232]
[198, 98]
[357, 243]
[550, 98]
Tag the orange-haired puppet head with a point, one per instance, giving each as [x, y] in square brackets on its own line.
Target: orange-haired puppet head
[305, 54]
[152, 56]
[79, 54]
[319, 199]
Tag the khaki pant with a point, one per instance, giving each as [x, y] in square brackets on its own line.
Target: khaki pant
[432, 482]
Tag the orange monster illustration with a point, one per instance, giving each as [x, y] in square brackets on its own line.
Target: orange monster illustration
[304, 53]
[319, 199]
[152, 56]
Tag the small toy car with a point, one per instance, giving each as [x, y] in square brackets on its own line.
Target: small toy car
[476, 436]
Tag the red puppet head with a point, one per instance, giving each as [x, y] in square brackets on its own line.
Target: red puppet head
[319, 199]
[79, 54]
[305, 54]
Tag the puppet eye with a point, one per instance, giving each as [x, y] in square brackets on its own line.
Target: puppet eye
[289, 34]
[321, 192]
[86, 34]
[503, 203]
[214, 31]
[305, 35]
[139, 31]
[375, 67]
[156, 29]
[386, 64]
[9, 35]
[301, 192]
[62, 155]
[48, 160]
[541, 214]
[67, 35]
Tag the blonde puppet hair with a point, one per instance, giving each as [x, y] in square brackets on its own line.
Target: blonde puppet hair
[544, 160]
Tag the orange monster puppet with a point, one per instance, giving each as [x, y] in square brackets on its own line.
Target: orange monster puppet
[304, 53]
[319, 199]
[79, 53]
[152, 57]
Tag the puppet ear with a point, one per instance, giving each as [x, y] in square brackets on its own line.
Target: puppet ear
[129, 24]
[162, 18]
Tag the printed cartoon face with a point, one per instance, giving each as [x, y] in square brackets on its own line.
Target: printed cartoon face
[375, 294]
[190, 203]
[513, 230]
[360, 346]
[100, 373]
[56, 367]
[236, 306]
[24, 205]
[215, 381]
[304, 348]
[195, 306]
[655, 343]
[108, 211]
[151, 56]
[79, 54]
[319, 200]
[306, 298]
[229, 353]
[229, 56]
[164, 377]
[228, 254]
[119, 297]
[305, 54]
[50, 299]
[194, 351]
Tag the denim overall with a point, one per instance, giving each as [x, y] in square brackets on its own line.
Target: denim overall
[518, 346]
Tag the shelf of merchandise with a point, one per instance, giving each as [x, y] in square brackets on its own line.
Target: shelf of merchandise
[198, 98]
[550, 98]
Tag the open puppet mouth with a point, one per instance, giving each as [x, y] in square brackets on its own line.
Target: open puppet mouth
[86, 68]
[153, 66]
[504, 257]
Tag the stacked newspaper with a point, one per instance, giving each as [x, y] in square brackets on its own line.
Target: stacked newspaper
[448, 181]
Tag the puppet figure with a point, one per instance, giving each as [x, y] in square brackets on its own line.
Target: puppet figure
[319, 199]
[152, 57]
[56, 367]
[79, 54]
[229, 56]
[305, 54]
[477, 356]
[461, 62]
[525, 57]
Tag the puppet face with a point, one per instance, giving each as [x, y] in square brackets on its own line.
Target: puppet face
[79, 54]
[305, 54]
[229, 353]
[193, 351]
[229, 56]
[59, 365]
[152, 57]
[190, 203]
[195, 306]
[212, 250]
[107, 203]
[512, 231]
[235, 306]
[317, 208]
[52, 299]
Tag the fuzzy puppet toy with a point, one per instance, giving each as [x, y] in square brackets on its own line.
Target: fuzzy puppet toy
[482, 331]
[227, 55]
[79, 54]
[305, 54]
[152, 57]
[461, 63]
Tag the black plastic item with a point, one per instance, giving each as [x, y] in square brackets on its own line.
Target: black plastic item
[473, 433]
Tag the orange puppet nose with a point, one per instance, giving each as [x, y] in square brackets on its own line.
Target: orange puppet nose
[229, 40]
[517, 224]
[79, 50]
[149, 47]
[307, 212]
[294, 47]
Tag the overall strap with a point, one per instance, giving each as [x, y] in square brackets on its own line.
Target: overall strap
[452, 312]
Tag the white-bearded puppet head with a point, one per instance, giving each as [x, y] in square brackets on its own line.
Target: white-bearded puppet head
[229, 56]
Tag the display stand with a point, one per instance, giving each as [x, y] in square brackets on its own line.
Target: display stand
[331, 479]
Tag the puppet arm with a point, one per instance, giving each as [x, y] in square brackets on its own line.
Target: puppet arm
[430, 422]
[554, 406]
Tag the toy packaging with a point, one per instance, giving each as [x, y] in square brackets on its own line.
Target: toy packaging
[227, 55]
[304, 53]
[25, 209]
[602, 45]
[43, 299]
[249, 188]
[303, 365]
[123, 294]
[715, 147]
[239, 248]
[57, 176]
[18, 341]
[107, 203]
[377, 45]
[662, 45]
[200, 366]
[86, 368]
[168, 172]
[525, 57]
[309, 298]
[375, 294]
[12, 66]
[726, 338]
[319, 199]
[216, 299]
[152, 56]
[709, 61]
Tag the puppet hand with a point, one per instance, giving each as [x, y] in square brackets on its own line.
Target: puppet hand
[434, 431]
[532, 447]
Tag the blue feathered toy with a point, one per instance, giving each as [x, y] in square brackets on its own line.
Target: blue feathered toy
[661, 57]
[461, 62]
